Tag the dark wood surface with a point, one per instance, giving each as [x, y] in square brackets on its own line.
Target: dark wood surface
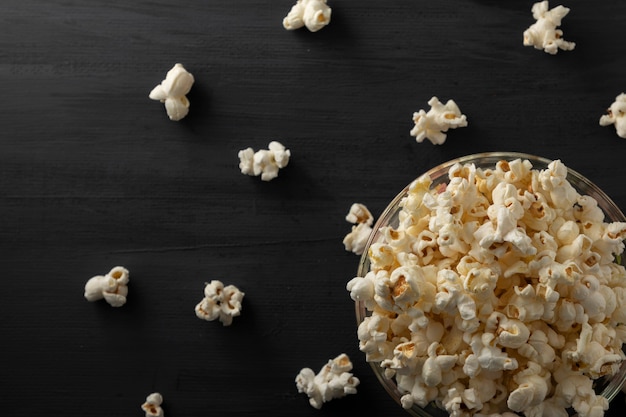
[93, 175]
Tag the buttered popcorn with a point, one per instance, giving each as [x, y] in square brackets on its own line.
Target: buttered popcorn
[497, 293]
[264, 162]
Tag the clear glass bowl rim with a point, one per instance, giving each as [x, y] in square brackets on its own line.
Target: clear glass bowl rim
[582, 185]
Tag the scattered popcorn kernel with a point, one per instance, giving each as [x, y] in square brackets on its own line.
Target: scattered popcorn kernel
[438, 120]
[220, 302]
[152, 406]
[616, 115]
[362, 219]
[522, 318]
[334, 380]
[173, 90]
[543, 34]
[265, 162]
[314, 14]
[113, 287]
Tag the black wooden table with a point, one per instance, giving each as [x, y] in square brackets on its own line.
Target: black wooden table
[93, 175]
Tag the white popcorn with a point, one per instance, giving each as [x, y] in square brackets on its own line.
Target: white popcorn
[334, 380]
[152, 406]
[173, 92]
[113, 287]
[265, 162]
[220, 302]
[362, 219]
[530, 294]
[616, 115]
[543, 34]
[438, 120]
[314, 14]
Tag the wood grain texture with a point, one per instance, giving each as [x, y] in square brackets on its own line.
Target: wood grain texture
[93, 174]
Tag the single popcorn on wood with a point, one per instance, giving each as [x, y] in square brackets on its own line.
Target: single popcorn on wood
[433, 124]
[220, 302]
[152, 405]
[360, 216]
[616, 115]
[543, 34]
[333, 381]
[533, 304]
[173, 92]
[314, 14]
[265, 162]
[113, 287]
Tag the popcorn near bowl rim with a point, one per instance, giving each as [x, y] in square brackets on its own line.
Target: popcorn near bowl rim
[496, 292]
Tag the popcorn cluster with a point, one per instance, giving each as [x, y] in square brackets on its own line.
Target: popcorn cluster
[113, 287]
[314, 14]
[543, 34]
[334, 380]
[497, 293]
[152, 406]
[362, 220]
[220, 302]
[173, 92]
[265, 162]
[438, 120]
[616, 115]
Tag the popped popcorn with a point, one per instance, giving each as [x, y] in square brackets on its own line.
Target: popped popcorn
[438, 120]
[522, 318]
[314, 14]
[334, 380]
[616, 115]
[152, 406]
[265, 162]
[362, 219]
[220, 302]
[543, 34]
[113, 287]
[173, 92]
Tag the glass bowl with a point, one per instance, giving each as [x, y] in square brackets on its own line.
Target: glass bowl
[608, 387]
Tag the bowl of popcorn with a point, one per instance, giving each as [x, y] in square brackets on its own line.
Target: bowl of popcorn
[493, 285]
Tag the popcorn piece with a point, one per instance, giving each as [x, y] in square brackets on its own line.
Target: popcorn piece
[173, 90]
[616, 115]
[334, 380]
[496, 293]
[362, 219]
[438, 120]
[543, 34]
[314, 14]
[113, 287]
[265, 162]
[220, 302]
[152, 406]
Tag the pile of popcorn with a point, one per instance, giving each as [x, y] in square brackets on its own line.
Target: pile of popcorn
[497, 293]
